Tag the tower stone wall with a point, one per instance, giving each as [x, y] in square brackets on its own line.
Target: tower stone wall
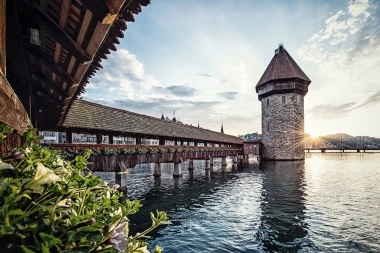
[283, 126]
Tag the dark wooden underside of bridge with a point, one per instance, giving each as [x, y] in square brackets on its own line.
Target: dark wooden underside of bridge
[49, 51]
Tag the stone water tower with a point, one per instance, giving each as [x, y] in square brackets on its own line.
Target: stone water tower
[281, 90]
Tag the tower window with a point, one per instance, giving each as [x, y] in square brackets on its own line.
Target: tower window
[268, 102]
[283, 99]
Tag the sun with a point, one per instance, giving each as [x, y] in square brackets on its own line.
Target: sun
[314, 135]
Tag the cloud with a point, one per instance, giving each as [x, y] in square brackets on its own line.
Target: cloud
[123, 75]
[371, 100]
[347, 51]
[228, 95]
[204, 74]
[181, 90]
[176, 90]
[330, 111]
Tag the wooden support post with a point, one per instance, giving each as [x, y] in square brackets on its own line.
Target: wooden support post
[138, 139]
[110, 138]
[69, 136]
[157, 170]
[98, 138]
[161, 141]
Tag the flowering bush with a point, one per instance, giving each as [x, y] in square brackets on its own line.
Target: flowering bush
[48, 204]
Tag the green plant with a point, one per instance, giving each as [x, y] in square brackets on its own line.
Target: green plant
[128, 151]
[110, 151]
[152, 150]
[162, 150]
[172, 150]
[141, 151]
[4, 131]
[48, 204]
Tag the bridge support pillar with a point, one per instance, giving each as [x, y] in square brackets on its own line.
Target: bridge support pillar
[157, 170]
[191, 169]
[224, 161]
[177, 170]
[207, 164]
[235, 159]
[234, 166]
[121, 180]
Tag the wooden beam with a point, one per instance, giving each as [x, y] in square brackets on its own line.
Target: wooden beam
[35, 12]
[12, 112]
[57, 52]
[65, 9]
[17, 61]
[3, 58]
[84, 27]
[49, 83]
[51, 65]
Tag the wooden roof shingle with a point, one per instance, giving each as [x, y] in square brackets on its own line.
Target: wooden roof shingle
[282, 66]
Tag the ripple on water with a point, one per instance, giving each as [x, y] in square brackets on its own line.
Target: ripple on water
[327, 203]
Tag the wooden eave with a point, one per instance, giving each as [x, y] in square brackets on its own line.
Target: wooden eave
[75, 35]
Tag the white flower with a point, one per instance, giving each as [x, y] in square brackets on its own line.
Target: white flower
[119, 240]
[43, 176]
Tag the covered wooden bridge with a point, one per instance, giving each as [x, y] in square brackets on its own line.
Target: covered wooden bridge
[92, 118]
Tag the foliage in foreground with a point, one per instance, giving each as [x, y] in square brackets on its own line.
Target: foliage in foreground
[51, 205]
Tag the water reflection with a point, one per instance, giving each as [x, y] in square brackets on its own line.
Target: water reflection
[283, 224]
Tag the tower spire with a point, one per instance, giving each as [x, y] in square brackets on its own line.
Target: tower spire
[221, 130]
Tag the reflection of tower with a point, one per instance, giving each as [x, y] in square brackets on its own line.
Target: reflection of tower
[282, 204]
[281, 90]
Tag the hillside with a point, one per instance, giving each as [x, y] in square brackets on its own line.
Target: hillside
[343, 139]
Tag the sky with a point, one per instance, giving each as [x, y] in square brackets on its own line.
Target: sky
[202, 60]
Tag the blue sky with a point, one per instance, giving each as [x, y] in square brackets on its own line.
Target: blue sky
[204, 58]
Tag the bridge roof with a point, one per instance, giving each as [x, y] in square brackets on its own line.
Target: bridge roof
[282, 66]
[55, 47]
[87, 115]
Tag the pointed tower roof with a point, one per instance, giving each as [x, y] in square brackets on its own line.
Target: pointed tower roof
[282, 66]
[221, 130]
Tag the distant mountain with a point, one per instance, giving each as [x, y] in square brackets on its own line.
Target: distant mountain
[343, 139]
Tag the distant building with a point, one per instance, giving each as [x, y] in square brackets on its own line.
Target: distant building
[250, 137]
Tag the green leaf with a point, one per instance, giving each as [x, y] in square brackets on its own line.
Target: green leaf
[94, 237]
[26, 249]
[16, 212]
[49, 240]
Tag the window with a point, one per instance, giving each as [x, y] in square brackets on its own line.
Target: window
[283, 99]
[268, 102]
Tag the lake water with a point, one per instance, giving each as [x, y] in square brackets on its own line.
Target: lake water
[327, 203]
